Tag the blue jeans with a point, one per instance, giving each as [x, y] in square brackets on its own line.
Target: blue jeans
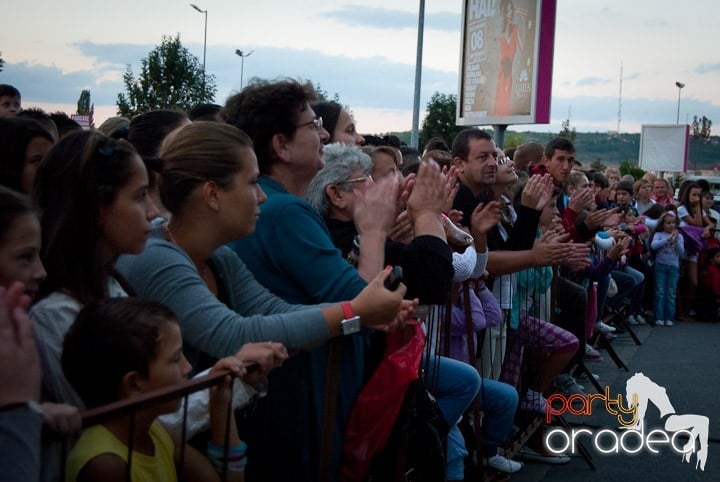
[455, 384]
[666, 282]
[626, 287]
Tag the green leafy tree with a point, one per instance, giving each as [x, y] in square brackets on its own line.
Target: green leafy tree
[567, 132]
[84, 106]
[83, 103]
[513, 139]
[440, 119]
[324, 95]
[627, 168]
[598, 165]
[700, 136]
[170, 78]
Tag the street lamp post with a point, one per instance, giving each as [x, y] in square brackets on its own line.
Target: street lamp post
[680, 86]
[204, 41]
[242, 63]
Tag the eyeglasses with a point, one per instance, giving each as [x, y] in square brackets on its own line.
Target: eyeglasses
[318, 121]
[502, 160]
[356, 179]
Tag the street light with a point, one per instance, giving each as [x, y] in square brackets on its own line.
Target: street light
[242, 63]
[679, 85]
[205, 41]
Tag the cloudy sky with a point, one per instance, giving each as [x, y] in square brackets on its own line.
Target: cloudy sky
[365, 51]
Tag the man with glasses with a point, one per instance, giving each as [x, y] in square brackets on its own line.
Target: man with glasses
[291, 253]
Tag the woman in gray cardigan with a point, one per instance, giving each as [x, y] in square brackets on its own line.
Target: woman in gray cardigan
[209, 184]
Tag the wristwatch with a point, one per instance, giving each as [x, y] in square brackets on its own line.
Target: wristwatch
[351, 323]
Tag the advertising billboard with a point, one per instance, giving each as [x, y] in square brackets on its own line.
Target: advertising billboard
[665, 147]
[506, 62]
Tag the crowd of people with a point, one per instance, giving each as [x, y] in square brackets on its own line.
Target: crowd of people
[256, 239]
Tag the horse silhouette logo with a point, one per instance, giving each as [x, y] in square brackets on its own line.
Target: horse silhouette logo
[641, 390]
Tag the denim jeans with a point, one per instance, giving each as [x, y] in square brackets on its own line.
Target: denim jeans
[666, 282]
[626, 287]
[455, 384]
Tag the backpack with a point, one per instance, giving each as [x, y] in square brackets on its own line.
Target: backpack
[415, 451]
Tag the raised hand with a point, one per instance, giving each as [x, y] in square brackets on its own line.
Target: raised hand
[537, 192]
[430, 191]
[581, 200]
[451, 188]
[402, 230]
[602, 218]
[19, 361]
[577, 256]
[548, 250]
[619, 248]
[484, 217]
[375, 209]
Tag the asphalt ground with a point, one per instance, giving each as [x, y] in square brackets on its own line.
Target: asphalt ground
[685, 360]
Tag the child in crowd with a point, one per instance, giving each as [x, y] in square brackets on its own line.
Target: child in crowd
[20, 262]
[10, 103]
[23, 144]
[691, 215]
[669, 246]
[140, 343]
[20, 242]
[93, 194]
[706, 198]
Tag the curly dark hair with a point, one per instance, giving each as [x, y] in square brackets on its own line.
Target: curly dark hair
[265, 108]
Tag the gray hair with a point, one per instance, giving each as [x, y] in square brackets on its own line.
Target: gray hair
[341, 161]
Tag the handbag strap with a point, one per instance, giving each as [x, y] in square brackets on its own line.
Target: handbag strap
[332, 387]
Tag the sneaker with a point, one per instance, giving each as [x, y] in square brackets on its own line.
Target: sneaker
[568, 385]
[591, 354]
[604, 328]
[533, 402]
[594, 375]
[632, 320]
[526, 453]
[669, 323]
[501, 464]
[659, 323]
[610, 336]
[640, 319]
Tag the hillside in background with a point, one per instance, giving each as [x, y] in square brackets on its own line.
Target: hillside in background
[612, 149]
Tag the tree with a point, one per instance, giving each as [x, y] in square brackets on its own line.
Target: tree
[701, 128]
[567, 132]
[634, 171]
[324, 96]
[440, 119]
[2, 62]
[84, 106]
[171, 78]
[598, 165]
[513, 139]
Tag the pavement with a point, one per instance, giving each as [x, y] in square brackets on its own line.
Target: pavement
[685, 360]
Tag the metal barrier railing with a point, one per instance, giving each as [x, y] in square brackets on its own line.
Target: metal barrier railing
[129, 407]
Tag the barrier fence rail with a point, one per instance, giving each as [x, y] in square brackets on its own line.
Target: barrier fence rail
[129, 407]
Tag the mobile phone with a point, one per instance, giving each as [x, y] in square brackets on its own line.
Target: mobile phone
[394, 279]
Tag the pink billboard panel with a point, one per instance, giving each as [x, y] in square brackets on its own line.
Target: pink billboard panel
[506, 62]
